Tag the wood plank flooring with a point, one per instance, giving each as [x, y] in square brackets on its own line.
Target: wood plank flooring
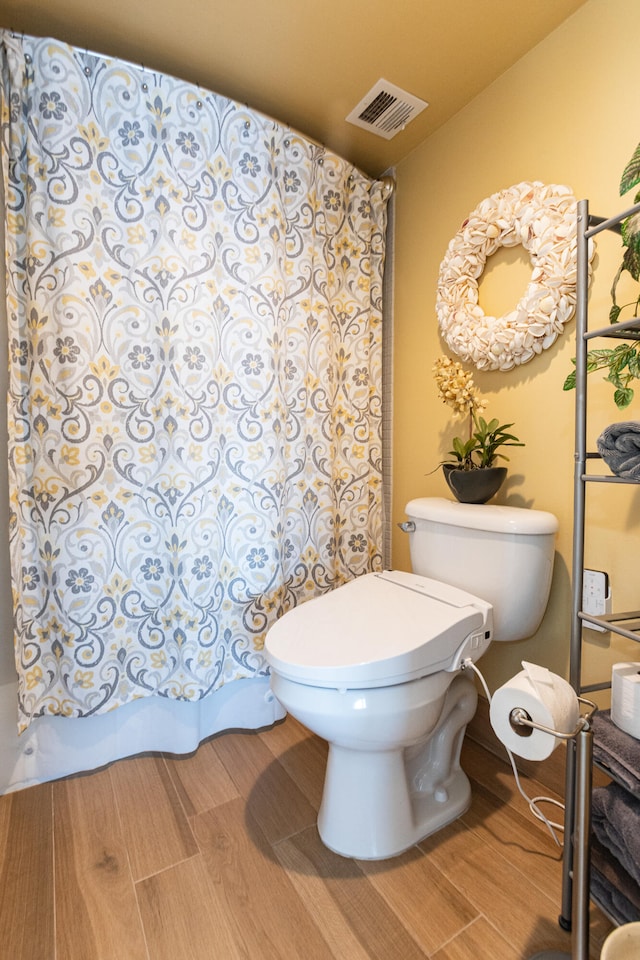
[216, 856]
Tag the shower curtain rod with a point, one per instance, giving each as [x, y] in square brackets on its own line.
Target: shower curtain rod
[387, 182]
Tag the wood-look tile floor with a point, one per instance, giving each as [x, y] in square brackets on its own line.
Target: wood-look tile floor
[216, 856]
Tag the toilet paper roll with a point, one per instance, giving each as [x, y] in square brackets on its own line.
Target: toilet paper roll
[625, 697]
[547, 698]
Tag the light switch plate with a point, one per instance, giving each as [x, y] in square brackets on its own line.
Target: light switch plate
[596, 596]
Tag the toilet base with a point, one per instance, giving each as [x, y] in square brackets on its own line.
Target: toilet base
[376, 804]
[378, 834]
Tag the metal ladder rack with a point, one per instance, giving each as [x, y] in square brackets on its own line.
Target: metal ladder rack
[626, 624]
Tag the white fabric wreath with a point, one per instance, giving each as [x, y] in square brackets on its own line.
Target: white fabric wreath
[543, 219]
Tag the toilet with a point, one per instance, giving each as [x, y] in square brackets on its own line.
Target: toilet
[375, 668]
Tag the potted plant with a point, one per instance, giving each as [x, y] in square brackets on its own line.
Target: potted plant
[472, 473]
[623, 361]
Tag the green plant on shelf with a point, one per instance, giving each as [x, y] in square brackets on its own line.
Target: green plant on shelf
[622, 362]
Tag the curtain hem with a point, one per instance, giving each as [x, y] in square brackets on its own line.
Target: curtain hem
[55, 747]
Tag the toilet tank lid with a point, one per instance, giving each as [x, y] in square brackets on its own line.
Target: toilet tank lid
[482, 516]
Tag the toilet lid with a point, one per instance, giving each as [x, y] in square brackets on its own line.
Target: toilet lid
[377, 630]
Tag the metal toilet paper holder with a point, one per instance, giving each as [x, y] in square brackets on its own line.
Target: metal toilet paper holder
[524, 726]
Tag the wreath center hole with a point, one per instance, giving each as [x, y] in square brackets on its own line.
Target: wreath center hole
[504, 280]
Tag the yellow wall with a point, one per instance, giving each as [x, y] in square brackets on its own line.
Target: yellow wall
[567, 113]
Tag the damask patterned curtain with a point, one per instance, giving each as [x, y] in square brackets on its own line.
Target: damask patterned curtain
[194, 305]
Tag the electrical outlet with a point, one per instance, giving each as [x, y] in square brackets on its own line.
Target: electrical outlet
[596, 596]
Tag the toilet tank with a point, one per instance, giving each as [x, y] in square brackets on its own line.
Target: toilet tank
[501, 554]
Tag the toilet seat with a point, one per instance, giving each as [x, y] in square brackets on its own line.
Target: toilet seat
[377, 630]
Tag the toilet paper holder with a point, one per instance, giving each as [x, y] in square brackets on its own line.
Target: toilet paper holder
[523, 725]
[521, 722]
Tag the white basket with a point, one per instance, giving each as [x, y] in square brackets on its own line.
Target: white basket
[623, 943]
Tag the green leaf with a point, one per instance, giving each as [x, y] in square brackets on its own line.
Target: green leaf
[630, 229]
[626, 351]
[458, 448]
[614, 378]
[597, 359]
[631, 259]
[614, 313]
[623, 397]
[618, 360]
[634, 364]
[631, 173]
[570, 382]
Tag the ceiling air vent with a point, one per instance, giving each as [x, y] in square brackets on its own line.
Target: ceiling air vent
[386, 110]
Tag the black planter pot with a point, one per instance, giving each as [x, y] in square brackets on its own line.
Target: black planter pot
[474, 486]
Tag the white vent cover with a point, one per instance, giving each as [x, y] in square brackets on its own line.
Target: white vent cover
[385, 110]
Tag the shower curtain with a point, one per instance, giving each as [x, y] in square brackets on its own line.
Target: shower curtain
[194, 310]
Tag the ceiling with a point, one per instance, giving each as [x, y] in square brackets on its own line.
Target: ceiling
[309, 64]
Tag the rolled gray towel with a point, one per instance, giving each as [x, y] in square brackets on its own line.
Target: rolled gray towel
[616, 751]
[619, 447]
[615, 889]
[616, 824]
[614, 903]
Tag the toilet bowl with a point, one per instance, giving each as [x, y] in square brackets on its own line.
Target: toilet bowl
[375, 668]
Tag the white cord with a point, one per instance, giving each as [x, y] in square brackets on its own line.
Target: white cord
[532, 801]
